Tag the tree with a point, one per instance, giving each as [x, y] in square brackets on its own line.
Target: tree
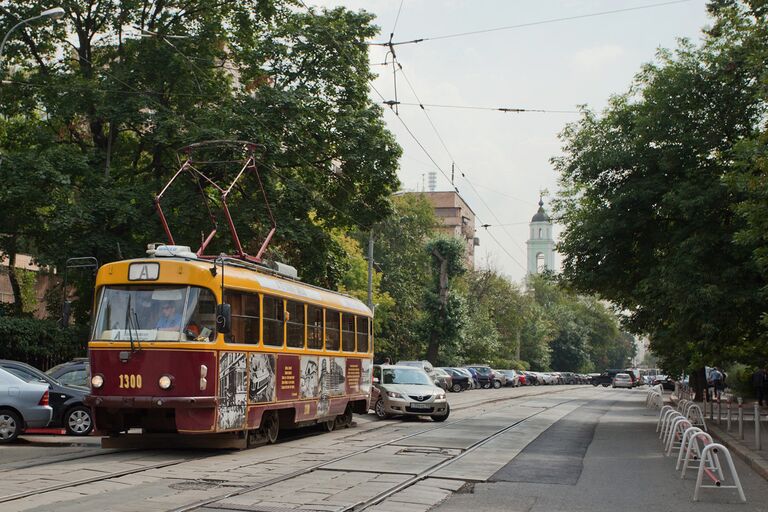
[399, 251]
[649, 220]
[445, 309]
[118, 103]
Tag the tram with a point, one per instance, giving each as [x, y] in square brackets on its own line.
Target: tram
[230, 349]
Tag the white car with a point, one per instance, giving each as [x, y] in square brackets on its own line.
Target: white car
[622, 380]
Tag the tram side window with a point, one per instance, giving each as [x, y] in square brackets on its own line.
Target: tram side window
[331, 329]
[200, 323]
[273, 321]
[245, 317]
[314, 327]
[347, 332]
[362, 334]
[295, 323]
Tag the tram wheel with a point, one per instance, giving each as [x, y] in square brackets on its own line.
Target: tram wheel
[345, 420]
[270, 426]
[329, 425]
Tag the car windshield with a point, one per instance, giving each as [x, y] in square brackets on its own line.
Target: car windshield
[405, 376]
[155, 313]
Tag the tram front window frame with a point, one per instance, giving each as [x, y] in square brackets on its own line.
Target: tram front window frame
[155, 313]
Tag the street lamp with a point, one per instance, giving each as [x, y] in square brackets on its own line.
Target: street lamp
[54, 14]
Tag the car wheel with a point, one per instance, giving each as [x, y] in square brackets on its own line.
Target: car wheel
[443, 417]
[487, 385]
[606, 385]
[496, 384]
[379, 409]
[10, 426]
[456, 388]
[78, 421]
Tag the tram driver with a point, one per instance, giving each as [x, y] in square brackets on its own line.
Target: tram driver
[170, 319]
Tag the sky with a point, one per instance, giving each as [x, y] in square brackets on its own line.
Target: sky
[555, 66]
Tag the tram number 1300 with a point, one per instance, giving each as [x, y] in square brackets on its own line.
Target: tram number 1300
[130, 381]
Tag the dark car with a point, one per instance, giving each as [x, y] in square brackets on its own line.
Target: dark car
[69, 411]
[72, 373]
[531, 379]
[459, 380]
[484, 374]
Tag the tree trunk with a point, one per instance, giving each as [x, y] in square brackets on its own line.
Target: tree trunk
[18, 304]
[698, 381]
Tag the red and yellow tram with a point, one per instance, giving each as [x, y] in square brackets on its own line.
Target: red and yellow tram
[228, 349]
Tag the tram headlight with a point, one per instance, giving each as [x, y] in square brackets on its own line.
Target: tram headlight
[165, 382]
[97, 381]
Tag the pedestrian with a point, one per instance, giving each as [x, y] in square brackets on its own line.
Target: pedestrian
[759, 384]
[716, 379]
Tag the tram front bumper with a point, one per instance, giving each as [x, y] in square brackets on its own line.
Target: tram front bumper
[152, 402]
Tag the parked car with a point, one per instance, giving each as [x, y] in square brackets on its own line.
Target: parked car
[442, 378]
[23, 405]
[475, 378]
[531, 379]
[499, 379]
[622, 380]
[69, 411]
[459, 380]
[547, 378]
[407, 391]
[484, 374]
[521, 379]
[513, 378]
[76, 372]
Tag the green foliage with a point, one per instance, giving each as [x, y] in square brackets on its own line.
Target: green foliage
[28, 283]
[740, 380]
[445, 307]
[399, 252]
[40, 342]
[117, 107]
[649, 220]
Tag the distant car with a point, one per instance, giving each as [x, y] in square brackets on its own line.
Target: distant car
[73, 373]
[69, 410]
[513, 378]
[484, 374]
[499, 379]
[442, 378]
[459, 380]
[531, 379]
[622, 380]
[407, 391]
[23, 405]
[522, 379]
[471, 378]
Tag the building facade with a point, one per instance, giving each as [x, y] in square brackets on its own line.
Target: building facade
[455, 219]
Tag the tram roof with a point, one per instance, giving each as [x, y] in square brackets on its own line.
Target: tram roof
[247, 276]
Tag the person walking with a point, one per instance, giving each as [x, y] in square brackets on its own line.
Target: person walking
[759, 384]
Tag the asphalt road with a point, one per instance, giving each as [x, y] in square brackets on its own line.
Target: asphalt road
[560, 448]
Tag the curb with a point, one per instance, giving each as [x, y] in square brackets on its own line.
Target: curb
[758, 463]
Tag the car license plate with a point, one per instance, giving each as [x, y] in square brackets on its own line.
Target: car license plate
[420, 406]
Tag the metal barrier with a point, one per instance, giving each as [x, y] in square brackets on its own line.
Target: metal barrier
[676, 434]
[661, 413]
[717, 478]
[682, 453]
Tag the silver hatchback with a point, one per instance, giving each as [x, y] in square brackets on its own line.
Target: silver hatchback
[22, 405]
[407, 391]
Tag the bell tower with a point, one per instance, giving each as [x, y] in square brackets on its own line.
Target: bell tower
[541, 246]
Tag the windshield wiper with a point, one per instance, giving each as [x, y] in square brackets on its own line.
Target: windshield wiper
[128, 322]
[136, 324]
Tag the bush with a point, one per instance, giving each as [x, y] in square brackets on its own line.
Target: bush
[41, 343]
[740, 380]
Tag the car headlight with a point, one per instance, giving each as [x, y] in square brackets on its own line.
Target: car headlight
[394, 394]
[165, 382]
[97, 381]
[440, 396]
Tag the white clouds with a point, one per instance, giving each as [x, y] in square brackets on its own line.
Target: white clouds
[596, 58]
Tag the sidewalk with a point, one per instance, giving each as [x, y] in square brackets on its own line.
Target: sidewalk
[744, 448]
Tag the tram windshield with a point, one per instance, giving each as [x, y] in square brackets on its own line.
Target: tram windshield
[155, 313]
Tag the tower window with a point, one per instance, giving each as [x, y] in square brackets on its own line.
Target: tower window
[541, 264]
[539, 232]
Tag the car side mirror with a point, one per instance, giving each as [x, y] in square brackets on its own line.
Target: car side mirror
[375, 380]
[223, 318]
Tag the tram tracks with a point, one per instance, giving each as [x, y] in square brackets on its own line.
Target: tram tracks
[383, 495]
[304, 470]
